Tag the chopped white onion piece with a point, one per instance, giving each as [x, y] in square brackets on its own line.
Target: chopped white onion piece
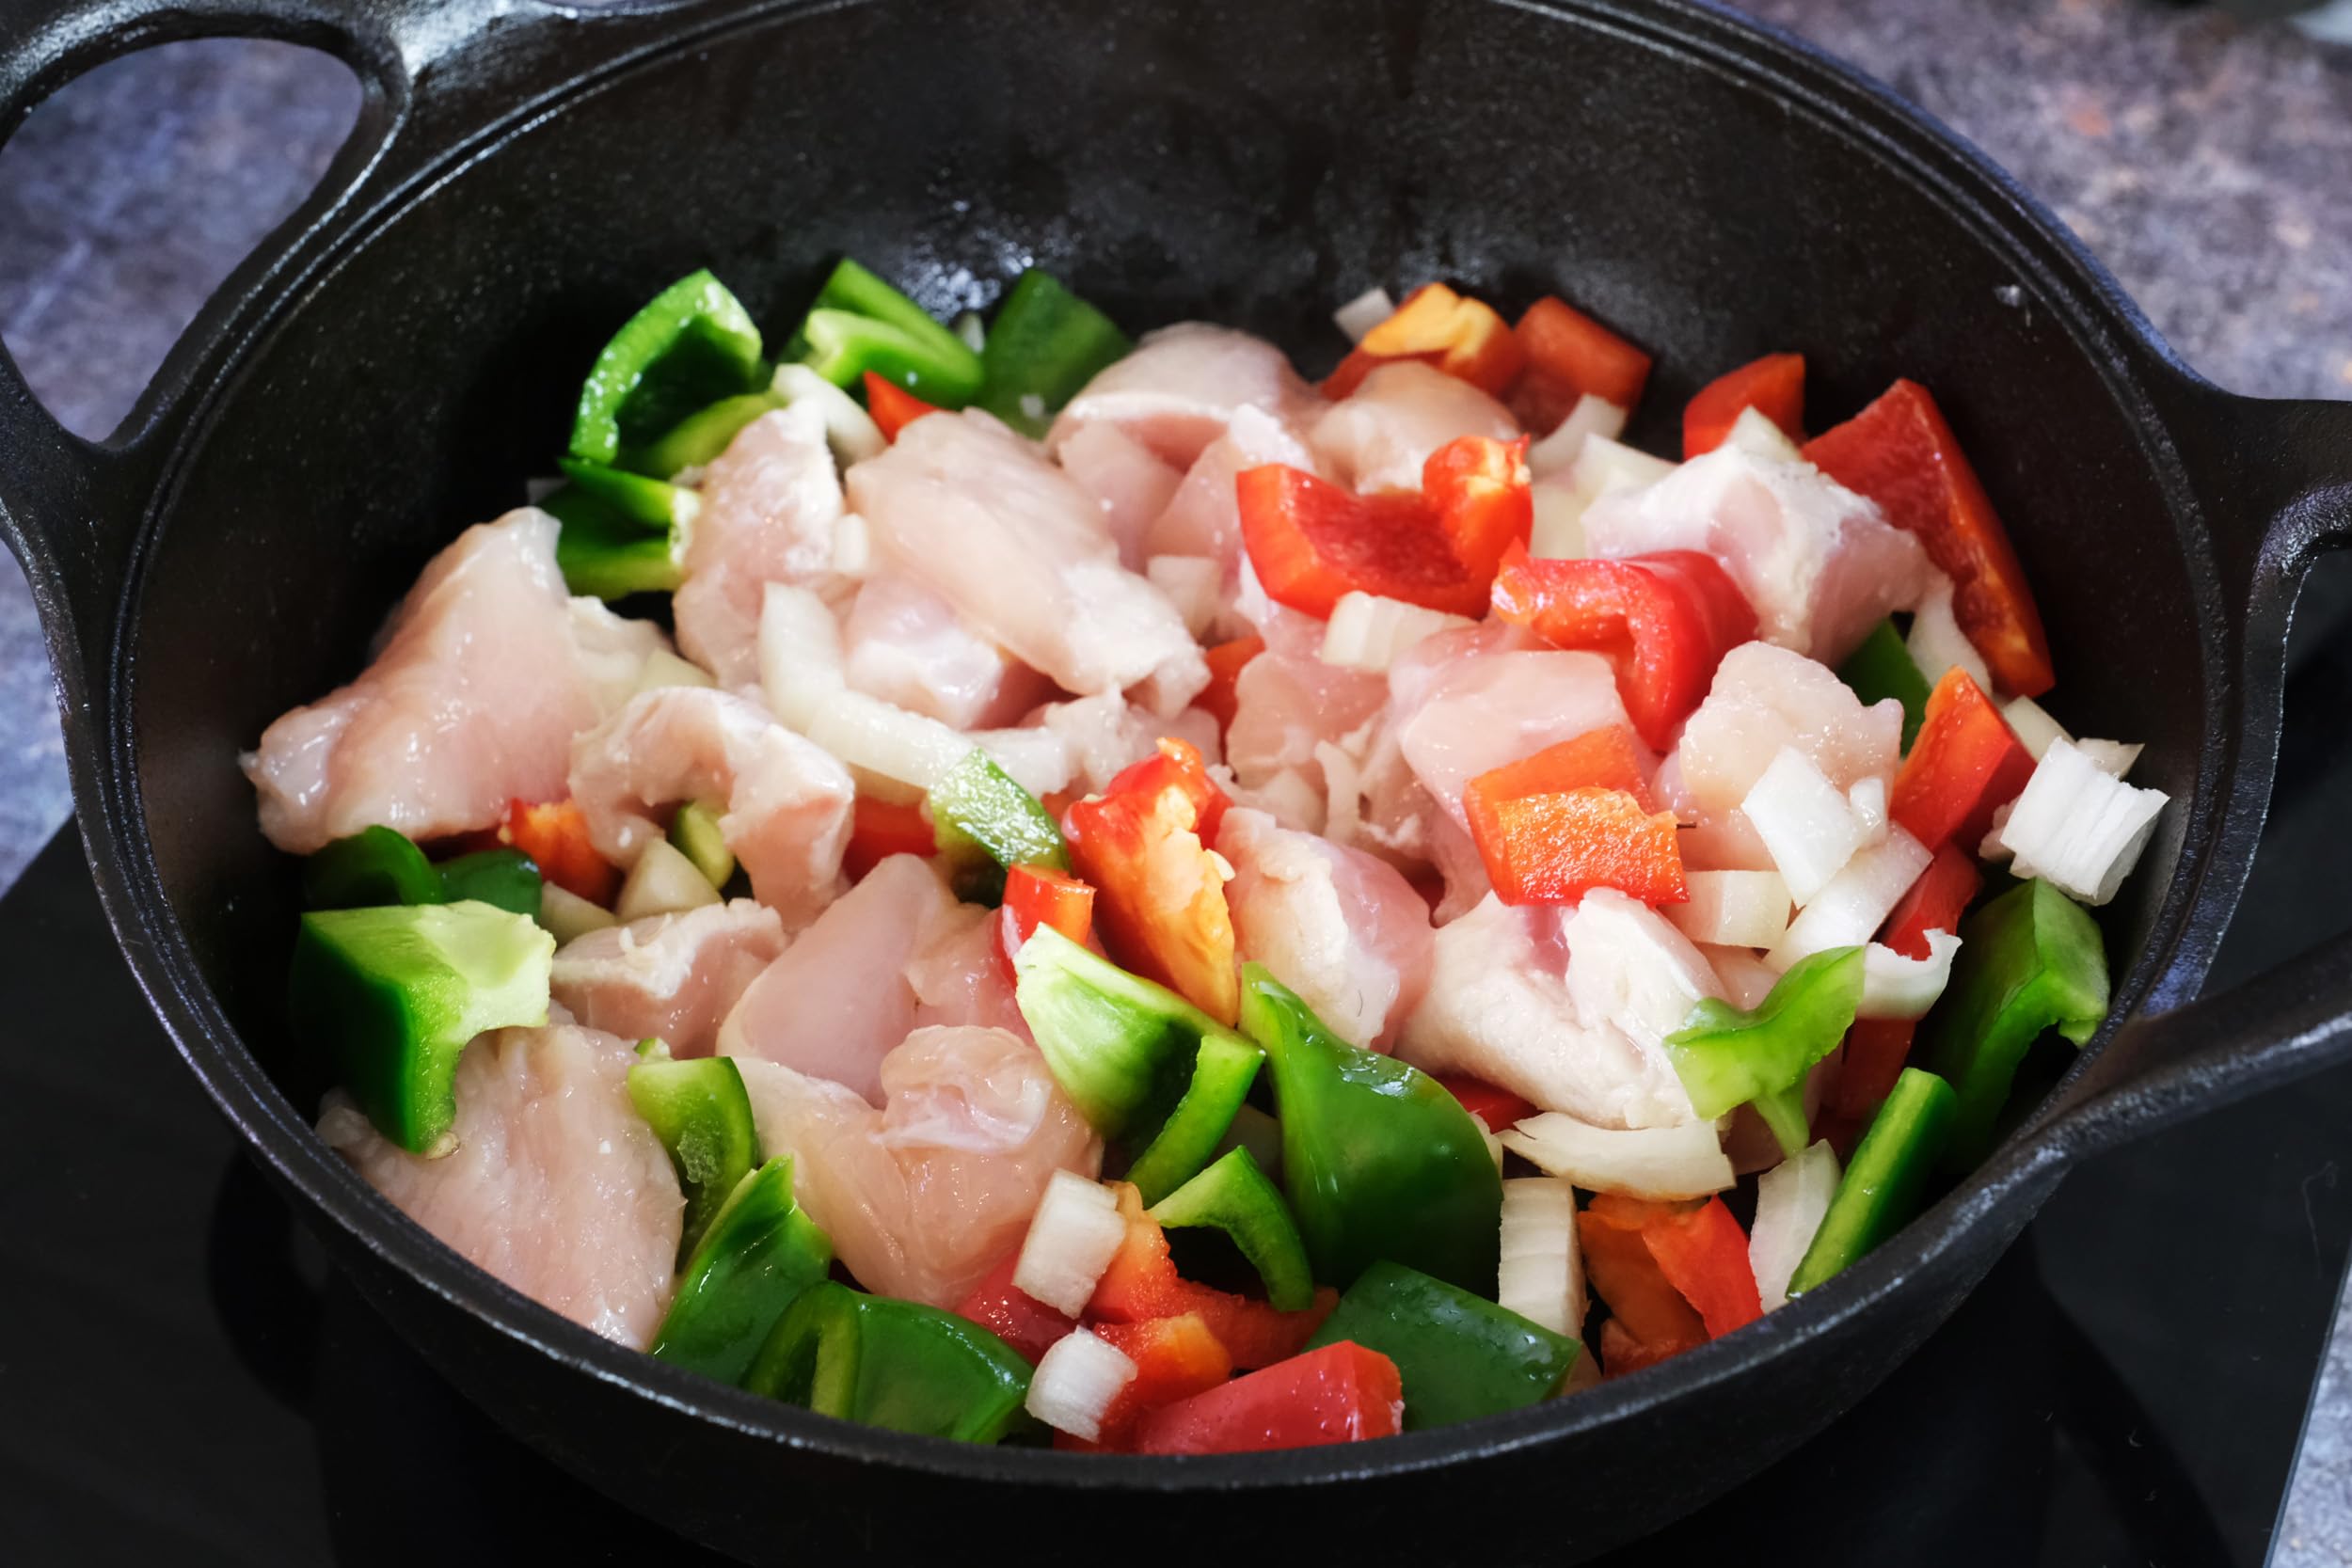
[1190, 582]
[1754, 432]
[1807, 827]
[873, 737]
[1894, 985]
[1663, 1163]
[850, 431]
[1607, 465]
[2033, 725]
[662, 881]
[852, 545]
[1368, 632]
[1557, 452]
[1542, 1274]
[2078, 825]
[800, 654]
[1558, 533]
[1869, 799]
[1035, 757]
[1076, 1230]
[663, 668]
[1857, 901]
[564, 915]
[969, 328]
[1937, 643]
[1791, 1200]
[1364, 312]
[1494, 1141]
[1075, 1381]
[2109, 756]
[1747, 979]
[1732, 909]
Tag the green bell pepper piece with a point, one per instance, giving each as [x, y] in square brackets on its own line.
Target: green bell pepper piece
[984, 824]
[1257, 1133]
[869, 325]
[693, 344]
[2029, 960]
[1119, 1046]
[608, 556]
[759, 1253]
[700, 1112]
[1233, 1195]
[1378, 1160]
[893, 1363]
[1188, 1138]
[1045, 346]
[374, 865]
[1727, 1057]
[395, 992]
[1884, 1180]
[654, 505]
[697, 439]
[1882, 668]
[1459, 1356]
[504, 879]
[695, 833]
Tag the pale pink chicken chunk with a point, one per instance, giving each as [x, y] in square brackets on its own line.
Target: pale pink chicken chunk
[904, 643]
[1203, 517]
[482, 676]
[1130, 483]
[1567, 1009]
[673, 976]
[556, 1185]
[1468, 701]
[1380, 435]
[1287, 704]
[769, 506]
[959, 978]
[982, 517]
[1820, 564]
[1342, 929]
[925, 1195]
[787, 799]
[1181, 389]
[838, 999]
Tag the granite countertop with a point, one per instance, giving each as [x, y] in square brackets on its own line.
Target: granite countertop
[2206, 159]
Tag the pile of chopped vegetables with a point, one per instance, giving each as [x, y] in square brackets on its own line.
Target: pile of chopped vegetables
[1014, 885]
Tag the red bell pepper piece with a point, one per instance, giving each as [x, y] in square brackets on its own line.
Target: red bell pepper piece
[881, 829]
[1034, 896]
[1772, 386]
[893, 406]
[1159, 897]
[1568, 354]
[1876, 1049]
[1935, 902]
[1554, 849]
[1483, 494]
[1663, 621]
[1622, 1353]
[1013, 1315]
[1141, 1284]
[1625, 1273]
[1498, 1108]
[554, 834]
[1704, 1253]
[1604, 758]
[1341, 1393]
[1462, 337]
[1966, 763]
[1902, 453]
[1175, 1358]
[1226, 661]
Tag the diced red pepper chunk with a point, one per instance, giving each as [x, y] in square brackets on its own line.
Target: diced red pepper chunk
[1663, 621]
[1935, 902]
[1013, 1315]
[1569, 355]
[1964, 764]
[1622, 1353]
[1704, 1255]
[893, 406]
[881, 829]
[1460, 336]
[1498, 1108]
[1141, 1284]
[1772, 386]
[1902, 453]
[1484, 496]
[1342, 1393]
[1625, 1275]
[1876, 1049]
[554, 834]
[1159, 897]
[1603, 758]
[1175, 1358]
[1036, 895]
[1555, 847]
[1226, 661]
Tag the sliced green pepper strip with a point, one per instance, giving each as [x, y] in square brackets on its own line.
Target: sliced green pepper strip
[1727, 1057]
[1460, 1356]
[374, 865]
[505, 879]
[695, 833]
[692, 345]
[696, 440]
[1885, 1179]
[1378, 1160]
[395, 993]
[700, 1112]
[1882, 668]
[760, 1252]
[601, 553]
[1046, 344]
[984, 824]
[1222, 1071]
[1118, 1044]
[843, 346]
[1233, 1195]
[955, 373]
[893, 1363]
[654, 505]
[2029, 960]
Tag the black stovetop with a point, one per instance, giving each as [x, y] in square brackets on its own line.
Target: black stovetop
[182, 1381]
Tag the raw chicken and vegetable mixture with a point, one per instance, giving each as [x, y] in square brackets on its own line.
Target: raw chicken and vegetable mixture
[1106, 894]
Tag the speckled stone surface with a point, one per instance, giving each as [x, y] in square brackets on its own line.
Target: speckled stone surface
[2208, 161]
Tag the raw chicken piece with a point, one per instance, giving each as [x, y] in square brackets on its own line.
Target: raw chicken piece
[1287, 704]
[1569, 1013]
[556, 1186]
[979, 514]
[904, 643]
[1342, 929]
[482, 676]
[838, 999]
[787, 799]
[1203, 517]
[1182, 388]
[923, 1197]
[769, 504]
[1130, 483]
[959, 978]
[1467, 701]
[1820, 564]
[1379, 436]
[672, 975]
[612, 651]
[1103, 734]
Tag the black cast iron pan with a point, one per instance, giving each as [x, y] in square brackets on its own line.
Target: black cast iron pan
[393, 362]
